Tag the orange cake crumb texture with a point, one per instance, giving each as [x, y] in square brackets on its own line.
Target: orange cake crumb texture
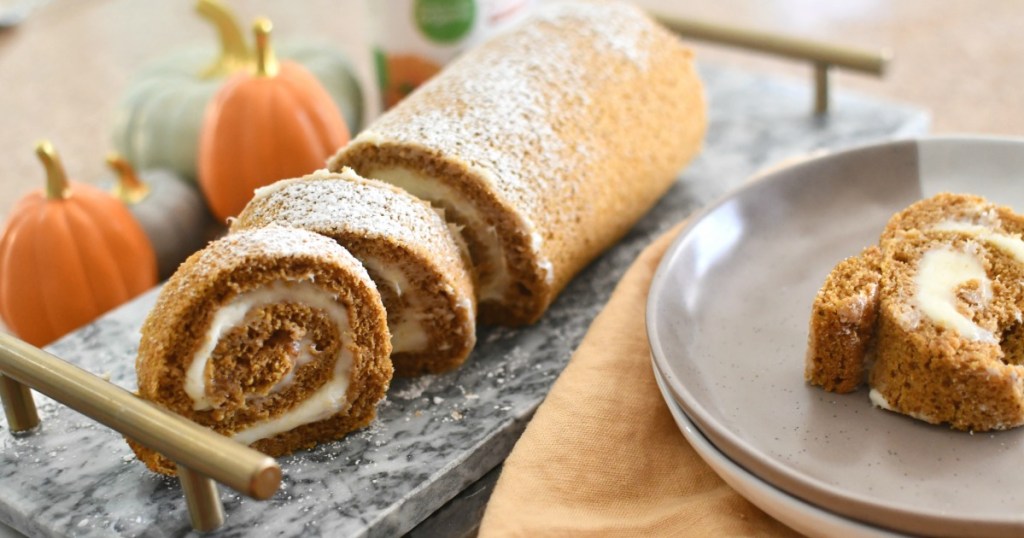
[421, 270]
[545, 144]
[931, 316]
[251, 359]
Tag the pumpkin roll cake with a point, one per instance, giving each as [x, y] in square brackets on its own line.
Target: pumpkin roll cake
[407, 248]
[938, 321]
[543, 145]
[843, 323]
[276, 337]
[950, 331]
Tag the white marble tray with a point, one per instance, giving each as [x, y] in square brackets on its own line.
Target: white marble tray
[434, 435]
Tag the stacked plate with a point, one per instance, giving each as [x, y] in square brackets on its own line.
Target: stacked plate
[727, 320]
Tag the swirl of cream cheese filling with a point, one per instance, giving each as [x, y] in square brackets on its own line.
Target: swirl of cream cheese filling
[940, 274]
[495, 284]
[329, 399]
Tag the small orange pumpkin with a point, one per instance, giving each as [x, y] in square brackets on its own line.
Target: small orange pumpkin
[400, 74]
[275, 123]
[68, 254]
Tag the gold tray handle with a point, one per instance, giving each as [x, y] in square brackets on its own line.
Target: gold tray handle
[201, 455]
[823, 56]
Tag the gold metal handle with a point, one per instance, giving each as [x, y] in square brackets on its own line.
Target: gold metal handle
[823, 56]
[19, 406]
[202, 452]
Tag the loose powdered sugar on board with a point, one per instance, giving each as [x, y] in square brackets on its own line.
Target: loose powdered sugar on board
[436, 434]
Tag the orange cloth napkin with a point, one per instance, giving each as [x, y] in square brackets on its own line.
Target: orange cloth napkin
[603, 456]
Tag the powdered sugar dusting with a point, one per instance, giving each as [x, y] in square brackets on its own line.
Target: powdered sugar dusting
[611, 27]
[560, 133]
[405, 246]
[269, 242]
[507, 115]
[327, 203]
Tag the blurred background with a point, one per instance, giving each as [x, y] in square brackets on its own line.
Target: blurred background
[64, 67]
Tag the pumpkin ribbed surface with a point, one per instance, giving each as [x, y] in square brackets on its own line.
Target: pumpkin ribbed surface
[157, 122]
[64, 262]
[259, 129]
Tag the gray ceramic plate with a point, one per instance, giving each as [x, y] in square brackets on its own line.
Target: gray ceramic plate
[801, 516]
[727, 321]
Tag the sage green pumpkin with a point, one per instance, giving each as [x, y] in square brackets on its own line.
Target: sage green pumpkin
[158, 118]
[335, 72]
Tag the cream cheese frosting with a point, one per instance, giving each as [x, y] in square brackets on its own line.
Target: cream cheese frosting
[233, 314]
[940, 275]
[1008, 243]
[328, 400]
[407, 334]
[417, 184]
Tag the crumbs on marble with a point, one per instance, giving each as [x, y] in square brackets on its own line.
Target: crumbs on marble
[467, 395]
[498, 375]
[497, 333]
[415, 388]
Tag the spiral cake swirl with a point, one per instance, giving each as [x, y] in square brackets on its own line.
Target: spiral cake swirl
[275, 337]
[948, 343]
[407, 249]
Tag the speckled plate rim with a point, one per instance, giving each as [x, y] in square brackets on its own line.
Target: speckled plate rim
[904, 518]
[801, 516]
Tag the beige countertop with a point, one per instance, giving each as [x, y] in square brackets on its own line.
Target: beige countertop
[961, 59]
[62, 70]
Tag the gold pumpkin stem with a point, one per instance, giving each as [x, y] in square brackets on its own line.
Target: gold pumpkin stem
[56, 178]
[129, 188]
[266, 62]
[234, 53]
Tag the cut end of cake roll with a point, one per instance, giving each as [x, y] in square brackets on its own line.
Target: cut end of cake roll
[843, 323]
[950, 323]
[544, 145]
[276, 337]
[407, 248]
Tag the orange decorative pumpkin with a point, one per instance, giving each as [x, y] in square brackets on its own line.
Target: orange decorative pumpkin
[400, 74]
[275, 123]
[68, 254]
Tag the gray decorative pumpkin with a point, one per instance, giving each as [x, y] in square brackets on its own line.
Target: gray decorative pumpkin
[159, 116]
[172, 212]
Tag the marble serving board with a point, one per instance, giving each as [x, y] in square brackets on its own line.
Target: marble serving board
[434, 435]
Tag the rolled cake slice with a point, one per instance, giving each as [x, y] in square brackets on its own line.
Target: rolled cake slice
[275, 337]
[954, 214]
[406, 247]
[843, 323]
[544, 145]
[949, 336]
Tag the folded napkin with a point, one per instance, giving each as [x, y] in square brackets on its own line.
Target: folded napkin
[603, 456]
